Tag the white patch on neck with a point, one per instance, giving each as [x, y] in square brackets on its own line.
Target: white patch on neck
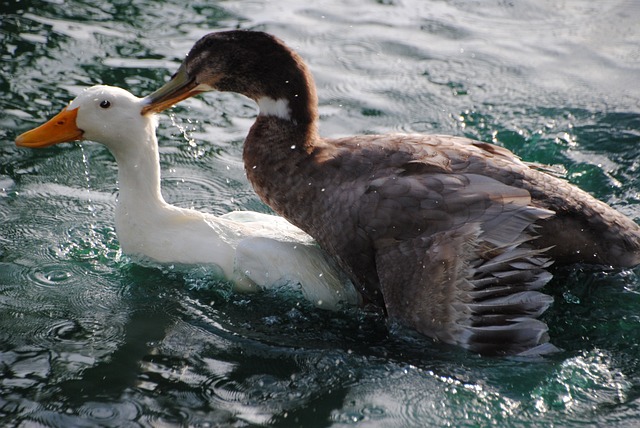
[278, 108]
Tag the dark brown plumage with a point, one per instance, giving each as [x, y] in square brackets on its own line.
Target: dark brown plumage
[451, 236]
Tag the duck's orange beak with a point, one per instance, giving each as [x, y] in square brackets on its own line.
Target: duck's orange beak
[180, 87]
[59, 129]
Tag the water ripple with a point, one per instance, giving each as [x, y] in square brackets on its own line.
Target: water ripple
[53, 274]
[251, 401]
[188, 189]
[583, 383]
[531, 76]
[86, 242]
[411, 396]
[63, 330]
[109, 413]
[104, 414]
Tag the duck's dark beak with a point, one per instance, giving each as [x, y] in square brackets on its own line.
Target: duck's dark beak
[180, 87]
[59, 129]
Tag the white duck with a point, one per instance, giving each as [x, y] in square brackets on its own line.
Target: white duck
[252, 250]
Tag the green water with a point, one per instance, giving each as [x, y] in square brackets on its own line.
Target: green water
[88, 338]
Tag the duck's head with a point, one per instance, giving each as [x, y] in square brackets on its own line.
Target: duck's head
[251, 63]
[106, 114]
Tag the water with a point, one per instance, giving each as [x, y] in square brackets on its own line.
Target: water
[89, 338]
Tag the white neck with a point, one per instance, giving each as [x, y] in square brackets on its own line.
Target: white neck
[148, 226]
[139, 172]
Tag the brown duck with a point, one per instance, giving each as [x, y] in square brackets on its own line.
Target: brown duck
[451, 236]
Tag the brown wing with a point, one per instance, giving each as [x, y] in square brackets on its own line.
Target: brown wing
[454, 259]
[443, 228]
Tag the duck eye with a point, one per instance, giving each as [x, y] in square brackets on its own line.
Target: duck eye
[105, 104]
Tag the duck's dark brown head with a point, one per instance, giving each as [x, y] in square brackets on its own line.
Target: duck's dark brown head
[251, 63]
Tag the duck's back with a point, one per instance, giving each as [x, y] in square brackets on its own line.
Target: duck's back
[404, 186]
[450, 235]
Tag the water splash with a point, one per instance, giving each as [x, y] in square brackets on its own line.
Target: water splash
[87, 176]
[92, 240]
[186, 131]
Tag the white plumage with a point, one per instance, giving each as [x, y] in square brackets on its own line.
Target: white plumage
[251, 249]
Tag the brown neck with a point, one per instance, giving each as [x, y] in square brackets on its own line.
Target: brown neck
[287, 79]
[285, 131]
[274, 153]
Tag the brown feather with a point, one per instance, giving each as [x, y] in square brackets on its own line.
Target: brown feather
[452, 236]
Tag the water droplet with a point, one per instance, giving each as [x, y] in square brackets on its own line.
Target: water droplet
[85, 161]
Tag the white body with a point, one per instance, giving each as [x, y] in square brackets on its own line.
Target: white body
[251, 249]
